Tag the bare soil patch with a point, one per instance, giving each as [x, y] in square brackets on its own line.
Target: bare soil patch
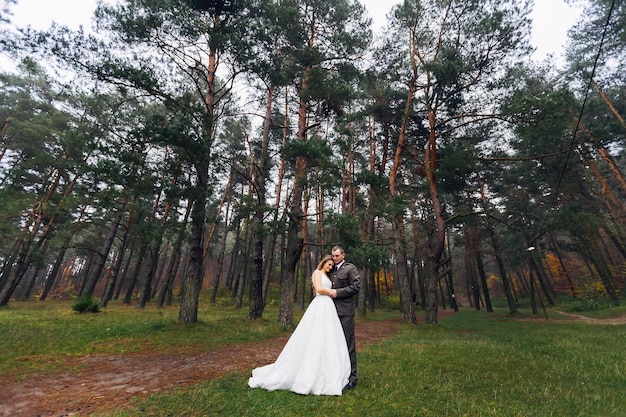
[110, 381]
[579, 317]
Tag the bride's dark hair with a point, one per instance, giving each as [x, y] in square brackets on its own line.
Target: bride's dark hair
[323, 261]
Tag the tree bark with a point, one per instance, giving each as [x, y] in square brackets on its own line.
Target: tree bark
[260, 184]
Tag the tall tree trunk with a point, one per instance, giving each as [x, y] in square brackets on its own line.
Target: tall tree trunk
[479, 261]
[173, 261]
[192, 280]
[436, 249]
[256, 283]
[136, 271]
[450, 279]
[406, 298]
[146, 293]
[305, 256]
[473, 289]
[221, 259]
[112, 276]
[295, 242]
[497, 253]
[245, 264]
[271, 246]
[533, 297]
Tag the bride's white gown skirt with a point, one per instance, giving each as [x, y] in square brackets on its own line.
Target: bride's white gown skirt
[315, 359]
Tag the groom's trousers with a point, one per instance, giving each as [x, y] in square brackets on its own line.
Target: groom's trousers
[347, 322]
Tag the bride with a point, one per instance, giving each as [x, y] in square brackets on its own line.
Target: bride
[315, 359]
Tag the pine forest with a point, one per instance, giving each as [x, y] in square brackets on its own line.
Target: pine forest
[188, 147]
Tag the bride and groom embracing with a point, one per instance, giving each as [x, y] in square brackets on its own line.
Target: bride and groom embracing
[320, 356]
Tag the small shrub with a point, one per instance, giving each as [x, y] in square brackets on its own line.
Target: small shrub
[86, 305]
[592, 297]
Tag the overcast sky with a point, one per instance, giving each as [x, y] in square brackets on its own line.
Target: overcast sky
[549, 32]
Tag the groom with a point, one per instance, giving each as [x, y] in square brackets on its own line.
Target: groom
[346, 284]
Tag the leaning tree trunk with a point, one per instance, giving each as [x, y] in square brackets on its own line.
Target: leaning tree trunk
[559, 256]
[107, 294]
[546, 285]
[108, 290]
[9, 283]
[503, 275]
[136, 271]
[121, 280]
[20, 266]
[25, 295]
[103, 254]
[52, 277]
[603, 271]
[7, 266]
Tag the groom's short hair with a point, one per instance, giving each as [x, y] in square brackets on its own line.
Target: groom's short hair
[339, 248]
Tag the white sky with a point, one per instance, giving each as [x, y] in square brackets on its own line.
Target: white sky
[551, 20]
[549, 32]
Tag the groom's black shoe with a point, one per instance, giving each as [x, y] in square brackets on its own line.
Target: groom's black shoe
[350, 385]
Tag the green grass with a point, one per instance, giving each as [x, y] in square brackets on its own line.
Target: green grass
[473, 364]
[37, 337]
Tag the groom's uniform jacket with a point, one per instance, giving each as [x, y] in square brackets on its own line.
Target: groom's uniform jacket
[346, 281]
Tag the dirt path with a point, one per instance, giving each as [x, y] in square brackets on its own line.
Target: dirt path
[107, 381]
[578, 317]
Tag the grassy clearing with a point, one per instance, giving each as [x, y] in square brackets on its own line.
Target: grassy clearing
[471, 364]
[40, 337]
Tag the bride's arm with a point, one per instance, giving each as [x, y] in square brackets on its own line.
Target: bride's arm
[317, 283]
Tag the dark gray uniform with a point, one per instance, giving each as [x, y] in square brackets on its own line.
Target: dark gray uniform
[346, 281]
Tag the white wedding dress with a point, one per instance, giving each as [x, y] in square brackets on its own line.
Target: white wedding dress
[315, 359]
